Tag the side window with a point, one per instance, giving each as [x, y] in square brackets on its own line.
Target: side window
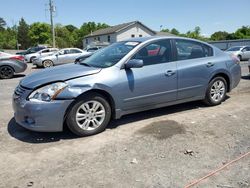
[155, 53]
[75, 51]
[247, 49]
[45, 51]
[192, 50]
[65, 52]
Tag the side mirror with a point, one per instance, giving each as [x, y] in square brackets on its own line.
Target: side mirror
[134, 63]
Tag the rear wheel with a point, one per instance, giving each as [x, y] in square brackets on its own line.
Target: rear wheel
[216, 91]
[48, 63]
[89, 115]
[6, 72]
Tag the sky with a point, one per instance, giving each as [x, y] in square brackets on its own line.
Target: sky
[184, 15]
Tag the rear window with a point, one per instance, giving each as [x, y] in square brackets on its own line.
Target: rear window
[191, 49]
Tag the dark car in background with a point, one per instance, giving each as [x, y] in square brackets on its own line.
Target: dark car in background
[31, 50]
[11, 64]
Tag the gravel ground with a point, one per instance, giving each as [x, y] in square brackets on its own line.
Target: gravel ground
[167, 147]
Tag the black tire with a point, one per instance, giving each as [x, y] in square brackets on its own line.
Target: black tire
[71, 116]
[6, 72]
[240, 58]
[48, 63]
[208, 98]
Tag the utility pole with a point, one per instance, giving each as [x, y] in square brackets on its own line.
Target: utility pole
[52, 10]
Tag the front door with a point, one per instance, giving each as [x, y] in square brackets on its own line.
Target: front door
[246, 53]
[154, 83]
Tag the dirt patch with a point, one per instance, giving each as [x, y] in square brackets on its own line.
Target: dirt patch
[163, 129]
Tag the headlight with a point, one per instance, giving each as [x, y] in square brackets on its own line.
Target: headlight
[48, 92]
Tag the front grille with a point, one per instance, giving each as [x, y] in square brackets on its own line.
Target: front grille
[19, 91]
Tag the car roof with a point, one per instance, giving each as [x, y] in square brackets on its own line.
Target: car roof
[152, 38]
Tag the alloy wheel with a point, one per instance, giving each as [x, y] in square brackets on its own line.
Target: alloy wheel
[90, 115]
[217, 91]
[47, 63]
[6, 72]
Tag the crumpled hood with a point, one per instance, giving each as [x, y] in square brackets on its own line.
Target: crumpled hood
[54, 74]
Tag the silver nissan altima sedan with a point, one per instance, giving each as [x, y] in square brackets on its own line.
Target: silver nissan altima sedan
[126, 77]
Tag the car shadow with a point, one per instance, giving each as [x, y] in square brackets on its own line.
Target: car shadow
[25, 135]
[156, 113]
[18, 76]
[247, 77]
[37, 68]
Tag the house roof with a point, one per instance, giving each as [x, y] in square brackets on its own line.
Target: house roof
[115, 29]
[161, 33]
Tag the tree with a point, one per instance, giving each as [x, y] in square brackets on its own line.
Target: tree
[22, 35]
[39, 33]
[2, 24]
[243, 32]
[71, 28]
[174, 31]
[8, 38]
[165, 30]
[63, 37]
[220, 35]
[196, 33]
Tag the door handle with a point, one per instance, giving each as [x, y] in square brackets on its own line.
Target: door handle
[210, 64]
[169, 73]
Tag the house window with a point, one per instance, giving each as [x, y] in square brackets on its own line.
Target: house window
[140, 35]
[108, 38]
[87, 41]
[98, 38]
[132, 36]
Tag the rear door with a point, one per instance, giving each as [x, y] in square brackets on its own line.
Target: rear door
[44, 52]
[195, 64]
[74, 53]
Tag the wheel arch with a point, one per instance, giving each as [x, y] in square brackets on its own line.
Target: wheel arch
[103, 93]
[8, 65]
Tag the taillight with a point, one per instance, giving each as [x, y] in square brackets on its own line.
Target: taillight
[235, 59]
[18, 57]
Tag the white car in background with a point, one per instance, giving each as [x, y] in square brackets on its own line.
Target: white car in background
[242, 52]
[66, 55]
[42, 53]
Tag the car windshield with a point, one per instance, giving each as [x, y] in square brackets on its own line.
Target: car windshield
[110, 55]
[237, 48]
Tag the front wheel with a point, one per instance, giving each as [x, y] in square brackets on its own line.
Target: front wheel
[89, 115]
[216, 91]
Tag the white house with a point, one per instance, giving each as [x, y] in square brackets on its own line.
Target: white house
[117, 33]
